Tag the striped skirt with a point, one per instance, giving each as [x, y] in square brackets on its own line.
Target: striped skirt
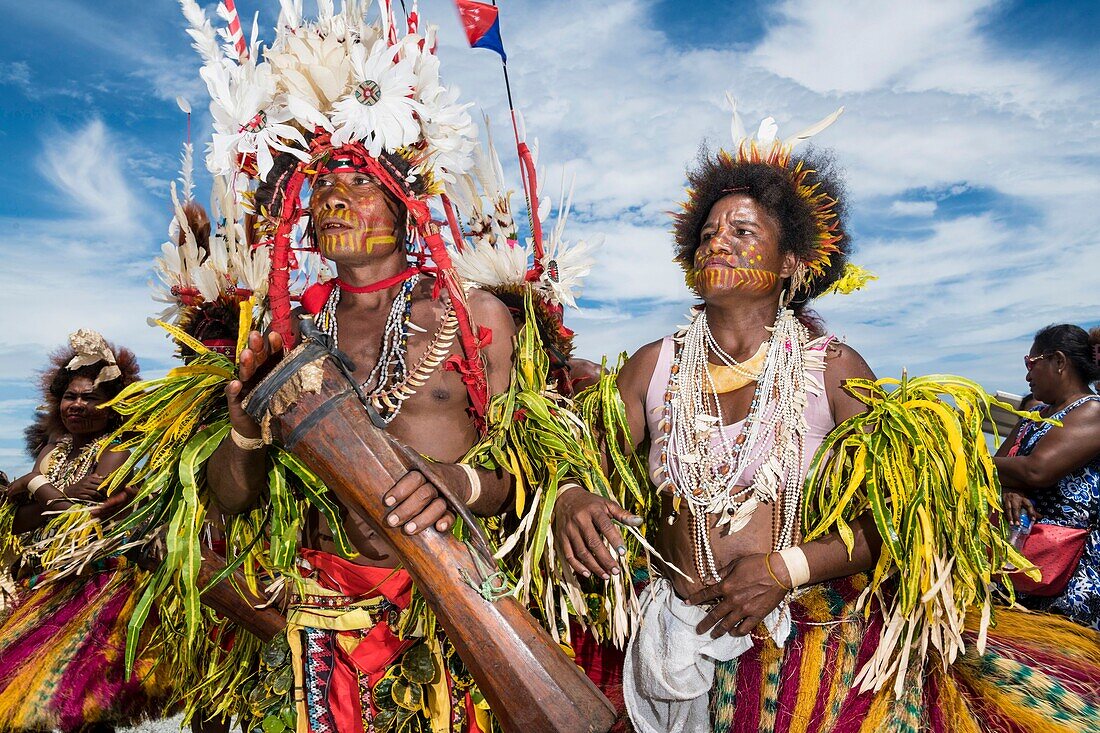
[1039, 674]
[62, 649]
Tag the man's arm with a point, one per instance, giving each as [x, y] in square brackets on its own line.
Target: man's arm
[586, 523]
[238, 474]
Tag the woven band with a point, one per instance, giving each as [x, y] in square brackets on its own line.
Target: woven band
[244, 442]
[36, 483]
[475, 482]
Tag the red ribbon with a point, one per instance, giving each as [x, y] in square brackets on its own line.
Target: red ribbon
[376, 286]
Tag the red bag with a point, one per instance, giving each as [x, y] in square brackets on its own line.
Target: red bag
[1056, 551]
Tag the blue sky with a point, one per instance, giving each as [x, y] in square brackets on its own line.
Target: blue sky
[971, 144]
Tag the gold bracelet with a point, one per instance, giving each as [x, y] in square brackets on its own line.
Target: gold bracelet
[35, 484]
[244, 442]
[475, 482]
[768, 565]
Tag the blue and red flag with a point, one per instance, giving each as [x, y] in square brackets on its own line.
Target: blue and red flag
[482, 25]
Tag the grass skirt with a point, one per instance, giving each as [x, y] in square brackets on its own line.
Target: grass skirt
[61, 655]
[1039, 674]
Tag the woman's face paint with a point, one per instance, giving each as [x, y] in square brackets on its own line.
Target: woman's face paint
[353, 216]
[738, 249]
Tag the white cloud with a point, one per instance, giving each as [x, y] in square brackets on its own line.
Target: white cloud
[85, 168]
[16, 73]
[913, 208]
[934, 45]
[85, 268]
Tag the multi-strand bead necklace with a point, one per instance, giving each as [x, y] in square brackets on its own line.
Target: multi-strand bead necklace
[706, 472]
[391, 369]
[62, 472]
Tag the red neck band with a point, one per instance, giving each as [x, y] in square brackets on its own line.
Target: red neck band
[376, 286]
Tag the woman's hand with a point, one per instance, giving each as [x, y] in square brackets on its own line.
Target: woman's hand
[1016, 504]
[585, 526]
[18, 486]
[115, 502]
[746, 594]
[86, 489]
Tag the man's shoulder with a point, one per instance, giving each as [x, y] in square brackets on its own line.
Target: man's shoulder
[486, 303]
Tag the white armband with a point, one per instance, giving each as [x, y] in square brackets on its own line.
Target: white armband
[797, 565]
[36, 483]
[475, 482]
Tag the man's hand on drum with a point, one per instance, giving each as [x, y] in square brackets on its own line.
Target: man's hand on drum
[746, 594]
[585, 526]
[417, 504]
[262, 353]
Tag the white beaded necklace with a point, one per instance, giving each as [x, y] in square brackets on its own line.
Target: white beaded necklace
[705, 472]
[390, 368]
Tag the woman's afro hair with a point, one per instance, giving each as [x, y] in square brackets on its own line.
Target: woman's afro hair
[55, 380]
[717, 175]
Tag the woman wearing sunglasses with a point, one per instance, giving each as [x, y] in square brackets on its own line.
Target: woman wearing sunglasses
[1053, 473]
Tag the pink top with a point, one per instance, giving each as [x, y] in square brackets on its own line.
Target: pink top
[819, 416]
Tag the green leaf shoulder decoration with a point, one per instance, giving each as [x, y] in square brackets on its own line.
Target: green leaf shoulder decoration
[546, 441]
[172, 427]
[917, 461]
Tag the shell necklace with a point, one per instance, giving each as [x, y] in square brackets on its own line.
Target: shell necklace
[391, 382]
[703, 466]
[62, 472]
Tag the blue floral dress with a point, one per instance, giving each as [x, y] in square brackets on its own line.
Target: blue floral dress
[1073, 502]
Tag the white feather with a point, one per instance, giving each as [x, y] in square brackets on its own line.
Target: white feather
[187, 167]
[767, 131]
[202, 33]
[737, 128]
[813, 129]
[208, 282]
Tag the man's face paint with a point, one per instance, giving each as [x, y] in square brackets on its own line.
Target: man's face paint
[352, 215]
[738, 249]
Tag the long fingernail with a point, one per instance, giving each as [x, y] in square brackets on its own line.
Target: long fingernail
[393, 520]
[410, 527]
[390, 501]
[621, 549]
[586, 574]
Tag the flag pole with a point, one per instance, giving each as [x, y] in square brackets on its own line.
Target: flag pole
[526, 170]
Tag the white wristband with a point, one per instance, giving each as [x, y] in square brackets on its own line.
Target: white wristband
[475, 482]
[244, 442]
[36, 483]
[797, 566]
